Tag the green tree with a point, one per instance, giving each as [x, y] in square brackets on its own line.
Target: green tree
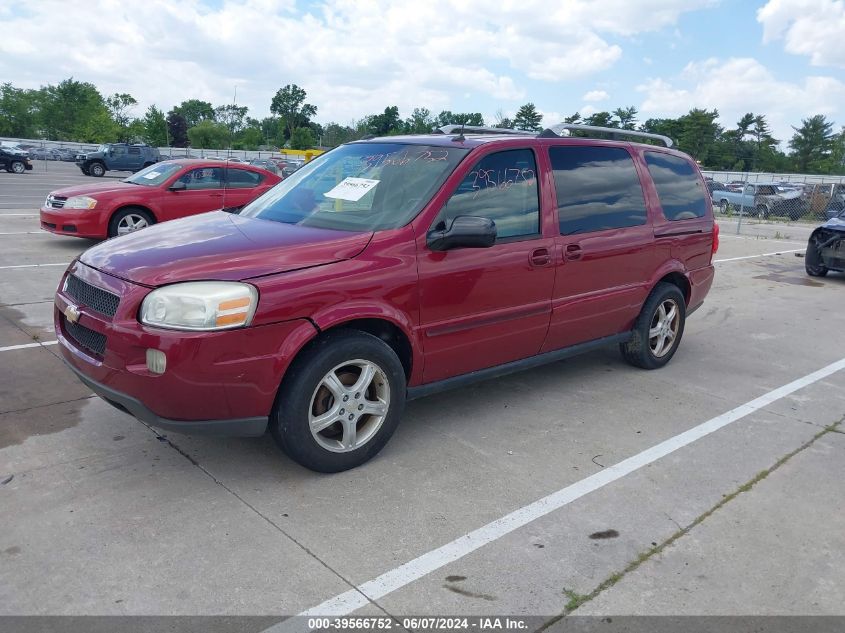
[194, 111]
[18, 110]
[812, 143]
[177, 129]
[527, 118]
[232, 116]
[698, 133]
[627, 117]
[249, 138]
[155, 127]
[302, 138]
[601, 119]
[289, 104]
[421, 121]
[575, 118]
[386, 123]
[209, 135]
[75, 111]
[335, 134]
[120, 107]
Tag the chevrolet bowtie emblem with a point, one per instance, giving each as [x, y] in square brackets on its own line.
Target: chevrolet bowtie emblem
[72, 313]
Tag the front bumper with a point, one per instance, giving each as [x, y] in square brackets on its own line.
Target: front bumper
[241, 427]
[223, 383]
[76, 222]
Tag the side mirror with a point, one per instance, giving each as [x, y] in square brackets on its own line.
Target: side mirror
[466, 231]
[177, 186]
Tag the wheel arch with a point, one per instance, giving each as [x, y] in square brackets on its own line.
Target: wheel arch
[674, 273]
[132, 205]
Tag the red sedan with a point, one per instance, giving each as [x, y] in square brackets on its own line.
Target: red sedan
[164, 191]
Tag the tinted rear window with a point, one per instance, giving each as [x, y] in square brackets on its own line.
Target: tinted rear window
[678, 186]
[597, 189]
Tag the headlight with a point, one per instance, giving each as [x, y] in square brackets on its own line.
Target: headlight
[80, 202]
[200, 305]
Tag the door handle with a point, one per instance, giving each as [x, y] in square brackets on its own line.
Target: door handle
[540, 257]
[573, 251]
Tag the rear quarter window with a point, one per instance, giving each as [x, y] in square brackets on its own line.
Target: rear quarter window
[597, 189]
[243, 179]
[678, 186]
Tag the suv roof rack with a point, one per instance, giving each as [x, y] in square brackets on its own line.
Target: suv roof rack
[614, 132]
[457, 128]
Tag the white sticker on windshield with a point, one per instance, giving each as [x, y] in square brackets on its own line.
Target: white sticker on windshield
[352, 189]
[152, 174]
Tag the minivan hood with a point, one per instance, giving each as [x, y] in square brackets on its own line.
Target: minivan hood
[220, 246]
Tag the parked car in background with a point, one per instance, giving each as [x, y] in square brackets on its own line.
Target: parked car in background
[761, 200]
[44, 153]
[12, 148]
[713, 187]
[388, 269]
[14, 162]
[826, 247]
[117, 157]
[66, 154]
[265, 163]
[164, 191]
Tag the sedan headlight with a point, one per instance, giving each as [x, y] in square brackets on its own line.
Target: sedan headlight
[80, 202]
[200, 305]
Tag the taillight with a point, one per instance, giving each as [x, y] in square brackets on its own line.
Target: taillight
[715, 237]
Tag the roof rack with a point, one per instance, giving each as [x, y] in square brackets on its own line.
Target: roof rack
[614, 132]
[457, 128]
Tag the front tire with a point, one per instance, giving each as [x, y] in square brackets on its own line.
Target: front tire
[724, 207]
[96, 169]
[340, 402]
[17, 167]
[129, 220]
[658, 329]
[813, 263]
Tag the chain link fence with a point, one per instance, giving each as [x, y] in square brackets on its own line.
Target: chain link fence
[770, 205]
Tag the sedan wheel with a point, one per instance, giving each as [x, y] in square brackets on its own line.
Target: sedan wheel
[130, 223]
[18, 167]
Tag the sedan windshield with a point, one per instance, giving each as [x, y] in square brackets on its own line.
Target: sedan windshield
[359, 187]
[154, 174]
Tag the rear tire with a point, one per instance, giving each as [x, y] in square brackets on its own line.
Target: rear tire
[96, 169]
[813, 260]
[658, 329]
[320, 418]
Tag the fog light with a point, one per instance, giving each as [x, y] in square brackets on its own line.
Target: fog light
[156, 361]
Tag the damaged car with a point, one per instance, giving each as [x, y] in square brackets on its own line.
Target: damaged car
[826, 248]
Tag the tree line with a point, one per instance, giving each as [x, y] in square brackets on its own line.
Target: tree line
[76, 111]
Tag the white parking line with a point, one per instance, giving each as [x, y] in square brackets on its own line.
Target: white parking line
[360, 596]
[27, 345]
[735, 259]
[18, 214]
[23, 233]
[34, 265]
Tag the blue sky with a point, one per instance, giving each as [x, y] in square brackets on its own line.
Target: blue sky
[782, 58]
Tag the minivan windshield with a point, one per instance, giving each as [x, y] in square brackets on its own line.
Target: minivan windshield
[359, 187]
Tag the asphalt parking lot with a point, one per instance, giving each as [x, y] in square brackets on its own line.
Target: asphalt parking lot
[711, 487]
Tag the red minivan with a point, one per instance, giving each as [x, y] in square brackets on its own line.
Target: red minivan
[388, 269]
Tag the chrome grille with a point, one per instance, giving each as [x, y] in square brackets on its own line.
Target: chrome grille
[86, 338]
[95, 298]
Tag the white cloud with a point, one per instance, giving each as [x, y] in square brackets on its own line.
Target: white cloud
[740, 85]
[813, 28]
[352, 57]
[596, 95]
